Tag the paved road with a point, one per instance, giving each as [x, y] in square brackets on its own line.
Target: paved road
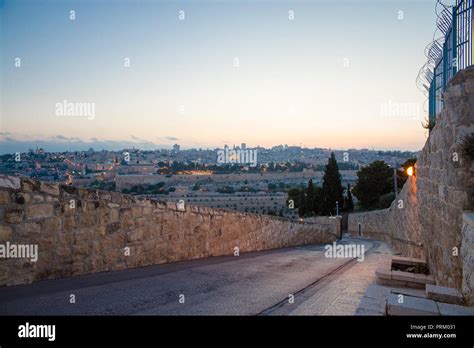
[249, 284]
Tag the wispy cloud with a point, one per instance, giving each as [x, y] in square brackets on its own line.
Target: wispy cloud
[23, 142]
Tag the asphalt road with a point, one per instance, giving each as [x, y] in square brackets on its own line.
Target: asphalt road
[249, 284]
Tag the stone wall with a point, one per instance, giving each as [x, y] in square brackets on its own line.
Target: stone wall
[399, 225]
[467, 252]
[435, 199]
[446, 181]
[82, 231]
[127, 181]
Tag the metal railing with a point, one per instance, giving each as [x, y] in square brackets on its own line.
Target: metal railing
[449, 53]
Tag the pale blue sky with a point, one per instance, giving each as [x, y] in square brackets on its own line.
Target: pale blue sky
[291, 86]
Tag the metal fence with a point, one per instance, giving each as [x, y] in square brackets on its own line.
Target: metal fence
[454, 51]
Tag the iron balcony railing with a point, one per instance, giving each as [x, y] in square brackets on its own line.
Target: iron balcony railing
[452, 52]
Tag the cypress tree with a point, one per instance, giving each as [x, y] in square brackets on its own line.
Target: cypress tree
[332, 188]
[317, 199]
[310, 196]
[302, 203]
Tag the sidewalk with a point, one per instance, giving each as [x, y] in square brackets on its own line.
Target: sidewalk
[343, 294]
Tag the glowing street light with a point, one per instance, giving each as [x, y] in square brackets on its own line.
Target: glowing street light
[410, 171]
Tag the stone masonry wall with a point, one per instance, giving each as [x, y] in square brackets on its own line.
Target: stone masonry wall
[399, 225]
[446, 181]
[81, 231]
[437, 196]
[467, 252]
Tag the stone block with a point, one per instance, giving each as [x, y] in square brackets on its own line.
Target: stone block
[452, 309]
[4, 197]
[372, 304]
[14, 215]
[26, 230]
[135, 235]
[383, 273]
[424, 279]
[377, 292]
[411, 306]
[409, 261]
[38, 199]
[399, 283]
[39, 211]
[444, 294]
[415, 292]
[49, 188]
[136, 211]
[403, 276]
[51, 225]
[5, 234]
[11, 182]
[113, 227]
[360, 311]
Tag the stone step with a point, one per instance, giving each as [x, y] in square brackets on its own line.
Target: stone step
[409, 291]
[372, 305]
[412, 277]
[408, 305]
[452, 309]
[383, 273]
[402, 279]
[399, 283]
[408, 261]
[444, 294]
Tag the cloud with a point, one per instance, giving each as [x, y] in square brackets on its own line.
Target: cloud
[61, 143]
[171, 138]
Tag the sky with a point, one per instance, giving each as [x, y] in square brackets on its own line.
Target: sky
[320, 73]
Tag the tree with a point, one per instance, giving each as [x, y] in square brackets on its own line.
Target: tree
[310, 196]
[332, 188]
[302, 203]
[350, 202]
[317, 199]
[373, 181]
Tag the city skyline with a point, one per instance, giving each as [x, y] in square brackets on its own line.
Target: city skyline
[62, 144]
[303, 73]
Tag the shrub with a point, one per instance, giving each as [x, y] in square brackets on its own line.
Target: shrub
[428, 124]
[385, 201]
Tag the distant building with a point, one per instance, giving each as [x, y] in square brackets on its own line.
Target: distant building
[138, 168]
[176, 148]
